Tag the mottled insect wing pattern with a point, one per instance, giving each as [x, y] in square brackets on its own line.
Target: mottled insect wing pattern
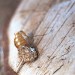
[27, 54]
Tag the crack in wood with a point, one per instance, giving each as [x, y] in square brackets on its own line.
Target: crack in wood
[66, 34]
[50, 60]
[32, 12]
[68, 50]
[52, 57]
[58, 69]
[62, 41]
[48, 28]
[63, 22]
[49, 57]
[61, 25]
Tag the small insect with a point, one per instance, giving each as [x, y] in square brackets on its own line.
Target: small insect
[25, 51]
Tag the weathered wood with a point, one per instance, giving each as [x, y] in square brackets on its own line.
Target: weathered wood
[56, 47]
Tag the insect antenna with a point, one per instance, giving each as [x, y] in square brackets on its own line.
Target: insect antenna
[42, 34]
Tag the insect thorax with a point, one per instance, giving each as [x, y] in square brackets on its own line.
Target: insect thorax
[27, 54]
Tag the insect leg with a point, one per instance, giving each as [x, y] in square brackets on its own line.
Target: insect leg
[20, 66]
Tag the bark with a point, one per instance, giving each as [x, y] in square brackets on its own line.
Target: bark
[53, 27]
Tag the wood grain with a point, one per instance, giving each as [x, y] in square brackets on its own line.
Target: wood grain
[56, 46]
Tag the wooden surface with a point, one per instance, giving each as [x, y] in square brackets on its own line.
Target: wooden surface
[57, 48]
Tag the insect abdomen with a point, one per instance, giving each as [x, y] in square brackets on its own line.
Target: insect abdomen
[19, 40]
